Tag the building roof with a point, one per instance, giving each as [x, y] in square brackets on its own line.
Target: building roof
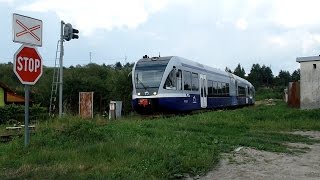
[11, 96]
[14, 98]
[308, 59]
[5, 87]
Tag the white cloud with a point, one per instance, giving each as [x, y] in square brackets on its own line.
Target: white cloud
[278, 41]
[98, 14]
[9, 2]
[241, 24]
[295, 13]
[309, 42]
[6, 1]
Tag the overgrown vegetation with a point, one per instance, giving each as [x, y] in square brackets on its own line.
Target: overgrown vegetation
[13, 114]
[269, 93]
[161, 148]
[108, 82]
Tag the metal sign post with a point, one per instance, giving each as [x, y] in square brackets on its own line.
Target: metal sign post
[27, 62]
[26, 116]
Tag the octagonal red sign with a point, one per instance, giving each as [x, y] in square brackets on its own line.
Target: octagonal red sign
[27, 65]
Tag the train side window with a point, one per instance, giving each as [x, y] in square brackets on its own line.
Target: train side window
[223, 89]
[171, 81]
[241, 91]
[179, 80]
[187, 80]
[210, 92]
[195, 82]
[219, 87]
[215, 88]
[227, 89]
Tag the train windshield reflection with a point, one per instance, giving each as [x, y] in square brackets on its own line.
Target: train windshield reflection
[149, 75]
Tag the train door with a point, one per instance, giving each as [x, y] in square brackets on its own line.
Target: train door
[247, 95]
[203, 90]
[179, 80]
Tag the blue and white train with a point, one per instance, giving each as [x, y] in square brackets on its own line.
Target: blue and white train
[175, 84]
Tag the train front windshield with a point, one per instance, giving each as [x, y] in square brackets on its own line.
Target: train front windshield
[148, 74]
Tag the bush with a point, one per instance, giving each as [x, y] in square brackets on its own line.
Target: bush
[269, 93]
[16, 113]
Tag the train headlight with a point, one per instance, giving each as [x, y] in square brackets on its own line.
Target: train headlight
[154, 93]
[139, 94]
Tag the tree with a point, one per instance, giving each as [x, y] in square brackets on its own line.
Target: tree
[283, 78]
[108, 82]
[295, 75]
[255, 75]
[239, 71]
[267, 76]
[118, 65]
[228, 70]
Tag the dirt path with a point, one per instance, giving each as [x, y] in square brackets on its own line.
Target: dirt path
[249, 163]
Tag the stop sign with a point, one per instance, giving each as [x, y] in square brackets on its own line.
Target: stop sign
[27, 64]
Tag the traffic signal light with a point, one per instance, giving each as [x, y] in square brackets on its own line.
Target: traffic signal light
[70, 33]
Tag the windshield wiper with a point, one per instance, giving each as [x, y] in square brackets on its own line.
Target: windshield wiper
[145, 87]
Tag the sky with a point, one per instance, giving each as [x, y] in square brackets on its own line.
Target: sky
[217, 33]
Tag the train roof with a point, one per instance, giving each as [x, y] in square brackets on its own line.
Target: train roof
[190, 63]
[208, 68]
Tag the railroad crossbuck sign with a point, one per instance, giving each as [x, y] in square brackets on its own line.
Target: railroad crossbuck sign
[27, 65]
[27, 30]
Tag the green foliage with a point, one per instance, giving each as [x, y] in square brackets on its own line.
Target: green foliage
[108, 82]
[295, 75]
[260, 76]
[269, 93]
[239, 71]
[283, 78]
[227, 70]
[16, 113]
[164, 148]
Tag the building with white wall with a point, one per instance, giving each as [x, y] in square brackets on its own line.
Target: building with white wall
[309, 82]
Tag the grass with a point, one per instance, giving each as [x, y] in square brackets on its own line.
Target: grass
[162, 148]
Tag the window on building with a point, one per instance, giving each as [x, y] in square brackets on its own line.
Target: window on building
[187, 80]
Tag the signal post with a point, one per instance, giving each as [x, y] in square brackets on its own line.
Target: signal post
[67, 33]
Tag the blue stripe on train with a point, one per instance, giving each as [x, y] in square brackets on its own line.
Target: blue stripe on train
[218, 102]
[193, 102]
[181, 103]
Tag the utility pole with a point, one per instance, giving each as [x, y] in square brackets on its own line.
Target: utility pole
[61, 70]
[90, 56]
